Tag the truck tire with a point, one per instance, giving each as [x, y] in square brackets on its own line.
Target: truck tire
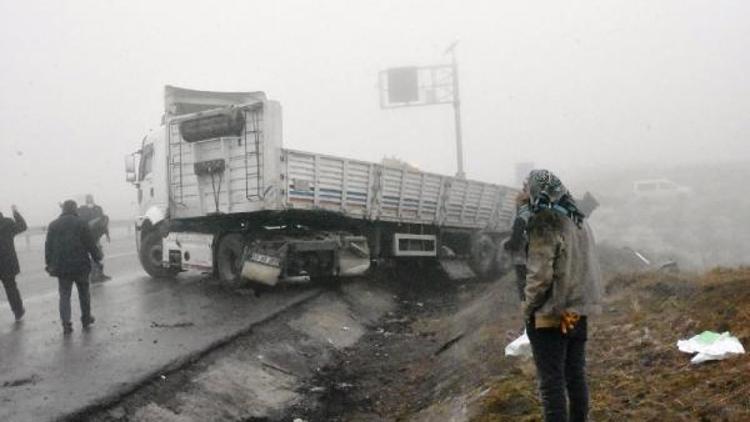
[482, 255]
[503, 258]
[229, 257]
[151, 254]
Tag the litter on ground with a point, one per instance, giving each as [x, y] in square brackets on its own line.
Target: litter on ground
[519, 347]
[710, 345]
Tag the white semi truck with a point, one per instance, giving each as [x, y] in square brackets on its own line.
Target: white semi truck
[217, 192]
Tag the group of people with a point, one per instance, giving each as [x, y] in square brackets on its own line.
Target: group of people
[72, 253]
[559, 282]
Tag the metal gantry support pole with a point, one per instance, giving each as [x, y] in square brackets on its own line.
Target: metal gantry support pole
[441, 86]
[460, 174]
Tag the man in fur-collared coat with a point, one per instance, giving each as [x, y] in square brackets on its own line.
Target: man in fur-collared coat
[563, 288]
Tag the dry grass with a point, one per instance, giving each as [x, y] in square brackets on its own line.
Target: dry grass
[635, 370]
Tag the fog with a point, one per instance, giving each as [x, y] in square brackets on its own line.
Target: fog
[583, 88]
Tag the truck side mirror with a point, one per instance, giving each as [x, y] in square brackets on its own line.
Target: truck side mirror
[130, 176]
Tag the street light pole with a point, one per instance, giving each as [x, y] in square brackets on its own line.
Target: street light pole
[460, 174]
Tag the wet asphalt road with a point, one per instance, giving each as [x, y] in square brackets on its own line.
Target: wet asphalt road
[142, 327]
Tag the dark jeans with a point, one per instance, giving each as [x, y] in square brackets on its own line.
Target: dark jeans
[521, 281]
[14, 296]
[561, 365]
[84, 299]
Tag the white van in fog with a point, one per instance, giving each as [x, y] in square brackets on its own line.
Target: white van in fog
[660, 188]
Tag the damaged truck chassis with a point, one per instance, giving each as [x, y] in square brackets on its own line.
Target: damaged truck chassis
[218, 193]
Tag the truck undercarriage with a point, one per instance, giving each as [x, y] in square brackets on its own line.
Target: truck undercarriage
[296, 245]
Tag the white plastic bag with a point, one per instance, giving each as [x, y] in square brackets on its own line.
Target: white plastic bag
[519, 347]
[711, 346]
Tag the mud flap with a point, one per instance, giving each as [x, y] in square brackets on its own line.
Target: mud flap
[457, 269]
[354, 257]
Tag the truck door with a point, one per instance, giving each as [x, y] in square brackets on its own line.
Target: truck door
[146, 177]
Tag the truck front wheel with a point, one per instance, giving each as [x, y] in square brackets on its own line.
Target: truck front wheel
[151, 253]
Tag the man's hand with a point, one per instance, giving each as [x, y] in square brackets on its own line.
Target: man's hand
[568, 321]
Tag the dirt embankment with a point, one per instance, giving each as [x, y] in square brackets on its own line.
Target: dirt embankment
[429, 359]
[439, 356]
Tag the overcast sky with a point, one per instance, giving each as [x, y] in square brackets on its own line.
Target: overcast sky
[566, 85]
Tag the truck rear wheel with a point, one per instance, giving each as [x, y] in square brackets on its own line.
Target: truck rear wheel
[483, 255]
[151, 254]
[229, 257]
[503, 258]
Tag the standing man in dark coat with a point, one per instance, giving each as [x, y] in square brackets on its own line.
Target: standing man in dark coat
[98, 223]
[69, 249]
[9, 267]
[519, 240]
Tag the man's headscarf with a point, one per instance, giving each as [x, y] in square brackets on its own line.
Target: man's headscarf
[546, 191]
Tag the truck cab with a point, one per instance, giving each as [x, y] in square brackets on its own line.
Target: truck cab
[148, 169]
